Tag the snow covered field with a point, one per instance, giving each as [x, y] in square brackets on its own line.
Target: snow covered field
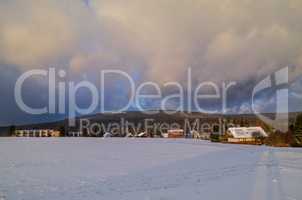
[145, 169]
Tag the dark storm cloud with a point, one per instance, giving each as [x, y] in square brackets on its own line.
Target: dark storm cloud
[220, 40]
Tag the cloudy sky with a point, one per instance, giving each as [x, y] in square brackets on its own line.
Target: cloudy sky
[219, 40]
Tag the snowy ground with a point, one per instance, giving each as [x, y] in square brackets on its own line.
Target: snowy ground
[145, 169]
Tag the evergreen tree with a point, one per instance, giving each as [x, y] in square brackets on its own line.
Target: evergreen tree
[298, 131]
[62, 131]
[12, 130]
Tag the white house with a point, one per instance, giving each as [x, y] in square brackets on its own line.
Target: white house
[245, 134]
[165, 135]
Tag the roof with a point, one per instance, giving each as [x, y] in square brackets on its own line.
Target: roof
[247, 132]
[129, 135]
[175, 130]
[142, 134]
[107, 134]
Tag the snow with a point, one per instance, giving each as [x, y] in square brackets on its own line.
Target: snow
[246, 132]
[146, 169]
[106, 135]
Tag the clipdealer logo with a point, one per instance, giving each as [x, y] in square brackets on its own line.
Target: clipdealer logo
[62, 94]
[57, 98]
[279, 83]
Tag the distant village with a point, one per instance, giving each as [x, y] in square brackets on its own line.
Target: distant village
[239, 129]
